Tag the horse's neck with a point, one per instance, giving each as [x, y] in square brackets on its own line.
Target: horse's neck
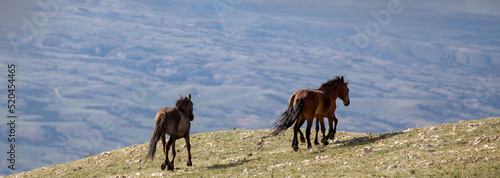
[184, 115]
[331, 92]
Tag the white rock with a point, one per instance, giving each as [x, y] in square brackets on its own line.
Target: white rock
[314, 150]
[336, 141]
[413, 156]
[470, 130]
[407, 130]
[489, 147]
[393, 166]
[323, 157]
[158, 174]
[478, 140]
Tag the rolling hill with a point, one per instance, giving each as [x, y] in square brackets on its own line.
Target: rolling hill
[463, 149]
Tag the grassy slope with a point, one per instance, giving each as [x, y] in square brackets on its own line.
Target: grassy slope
[467, 148]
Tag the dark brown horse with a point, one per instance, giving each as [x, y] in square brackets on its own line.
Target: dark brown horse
[313, 103]
[175, 122]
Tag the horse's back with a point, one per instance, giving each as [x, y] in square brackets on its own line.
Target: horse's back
[173, 120]
[316, 102]
[166, 111]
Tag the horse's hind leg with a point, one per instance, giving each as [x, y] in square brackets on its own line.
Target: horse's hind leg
[308, 132]
[296, 129]
[170, 166]
[295, 143]
[164, 153]
[302, 139]
[189, 163]
[317, 129]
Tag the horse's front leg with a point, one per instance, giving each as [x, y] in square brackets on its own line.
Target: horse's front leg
[324, 140]
[335, 127]
[333, 130]
[330, 129]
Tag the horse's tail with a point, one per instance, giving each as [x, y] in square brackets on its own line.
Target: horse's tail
[288, 117]
[155, 137]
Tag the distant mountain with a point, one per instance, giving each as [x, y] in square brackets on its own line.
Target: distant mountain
[91, 75]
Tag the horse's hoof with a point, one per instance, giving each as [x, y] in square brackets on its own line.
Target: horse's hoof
[302, 140]
[332, 136]
[325, 143]
[316, 142]
[163, 166]
[189, 163]
[295, 148]
[324, 140]
[170, 167]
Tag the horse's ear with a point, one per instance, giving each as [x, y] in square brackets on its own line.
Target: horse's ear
[342, 78]
[347, 82]
[180, 96]
[189, 96]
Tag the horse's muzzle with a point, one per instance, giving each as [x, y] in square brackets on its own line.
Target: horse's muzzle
[346, 103]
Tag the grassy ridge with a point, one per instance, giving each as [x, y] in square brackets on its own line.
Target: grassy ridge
[467, 148]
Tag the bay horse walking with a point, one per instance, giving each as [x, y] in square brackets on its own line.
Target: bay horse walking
[175, 122]
[313, 103]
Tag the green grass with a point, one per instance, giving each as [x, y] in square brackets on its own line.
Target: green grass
[464, 149]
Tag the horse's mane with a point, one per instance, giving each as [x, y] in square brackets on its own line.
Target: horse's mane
[179, 101]
[330, 82]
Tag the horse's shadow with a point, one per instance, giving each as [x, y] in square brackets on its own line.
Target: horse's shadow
[228, 165]
[365, 139]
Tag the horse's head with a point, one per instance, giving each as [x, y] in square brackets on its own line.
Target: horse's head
[344, 92]
[185, 104]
